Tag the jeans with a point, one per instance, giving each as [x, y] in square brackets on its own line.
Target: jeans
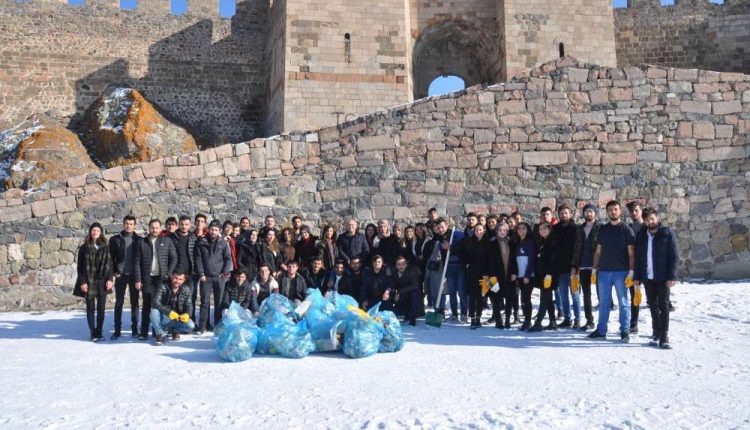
[546, 306]
[605, 281]
[162, 324]
[657, 297]
[585, 276]
[125, 283]
[558, 301]
[147, 292]
[433, 285]
[563, 286]
[96, 304]
[215, 285]
[454, 277]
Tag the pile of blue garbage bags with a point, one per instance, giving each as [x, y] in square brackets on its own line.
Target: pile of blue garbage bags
[320, 324]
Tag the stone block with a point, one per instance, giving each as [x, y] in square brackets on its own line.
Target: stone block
[720, 154]
[224, 151]
[703, 130]
[153, 169]
[689, 106]
[589, 157]
[552, 118]
[589, 118]
[480, 120]
[43, 208]
[511, 106]
[113, 175]
[679, 154]
[441, 160]
[609, 159]
[516, 120]
[545, 158]
[510, 159]
[725, 108]
[371, 143]
[16, 213]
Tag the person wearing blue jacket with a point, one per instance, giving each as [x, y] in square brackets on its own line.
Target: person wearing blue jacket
[525, 255]
[656, 261]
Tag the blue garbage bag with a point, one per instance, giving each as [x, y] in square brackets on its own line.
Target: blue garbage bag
[341, 303]
[236, 337]
[274, 305]
[290, 340]
[393, 336]
[333, 339]
[362, 338]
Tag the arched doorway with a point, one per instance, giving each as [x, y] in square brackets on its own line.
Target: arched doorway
[445, 84]
[454, 48]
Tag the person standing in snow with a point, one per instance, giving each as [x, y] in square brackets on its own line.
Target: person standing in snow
[122, 249]
[564, 233]
[94, 279]
[546, 273]
[213, 264]
[583, 257]
[656, 264]
[474, 250]
[525, 257]
[613, 265]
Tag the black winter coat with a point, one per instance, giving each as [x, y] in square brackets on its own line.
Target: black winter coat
[94, 269]
[474, 253]
[192, 239]
[388, 248]
[565, 239]
[164, 298]
[316, 280]
[374, 285]
[118, 251]
[248, 258]
[269, 258]
[165, 252]
[407, 282]
[212, 258]
[324, 253]
[241, 294]
[545, 262]
[293, 289]
[352, 246]
[665, 257]
[495, 266]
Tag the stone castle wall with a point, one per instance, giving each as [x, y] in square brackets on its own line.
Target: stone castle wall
[678, 139]
[692, 33]
[206, 72]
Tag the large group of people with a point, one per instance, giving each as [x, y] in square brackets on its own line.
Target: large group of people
[496, 261]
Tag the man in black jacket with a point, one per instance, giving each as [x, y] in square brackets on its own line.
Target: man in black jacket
[656, 262]
[315, 275]
[583, 256]
[406, 283]
[238, 290]
[564, 235]
[184, 242]
[292, 285]
[213, 263]
[122, 247]
[352, 243]
[386, 244]
[155, 261]
[171, 308]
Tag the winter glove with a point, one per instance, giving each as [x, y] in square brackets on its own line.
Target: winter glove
[629, 279]
[575, 283]
[173, 315]
[547, 282]
[484, 283]
[593, 277]
[184, 318]
[494, 285]
[637, 297]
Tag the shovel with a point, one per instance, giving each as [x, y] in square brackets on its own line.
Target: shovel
[434, 318]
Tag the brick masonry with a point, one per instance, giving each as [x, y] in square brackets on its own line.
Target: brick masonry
[566, 131]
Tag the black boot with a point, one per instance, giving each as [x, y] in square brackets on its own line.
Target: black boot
[536, 327]
[515, 317]
[473, 325]
[566, 324]
[116, 335]
[576, 324]
[507, 323]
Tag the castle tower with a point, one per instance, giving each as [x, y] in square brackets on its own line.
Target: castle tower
[331, 61]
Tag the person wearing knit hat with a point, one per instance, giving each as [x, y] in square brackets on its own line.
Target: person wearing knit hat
[583, 255]
[94, 279]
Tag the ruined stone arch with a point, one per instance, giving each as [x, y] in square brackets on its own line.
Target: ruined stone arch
[457, 48]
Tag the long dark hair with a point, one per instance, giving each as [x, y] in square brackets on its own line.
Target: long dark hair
[102, 241]
[324, 233]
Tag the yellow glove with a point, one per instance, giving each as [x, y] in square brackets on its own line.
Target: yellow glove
[493, 280]
[184, 318]
[575, 282]
[629, 279]
[173, 315]
[485, 285]
[547, 282]
[593, 277]
[637, 297]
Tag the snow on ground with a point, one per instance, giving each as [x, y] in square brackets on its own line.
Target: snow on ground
[447, 378]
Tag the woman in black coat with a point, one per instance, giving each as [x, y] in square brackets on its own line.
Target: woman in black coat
[546, 277]
[501, 263]
[474, 252]
[94, 279]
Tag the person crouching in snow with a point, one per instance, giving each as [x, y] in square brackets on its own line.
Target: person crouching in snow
[292, 285]
[264, 284]
[238, 290]
[171, 308]
[656, 262]
[406, 282]
[377, 286]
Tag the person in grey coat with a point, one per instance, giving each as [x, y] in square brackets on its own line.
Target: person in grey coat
[213, 263]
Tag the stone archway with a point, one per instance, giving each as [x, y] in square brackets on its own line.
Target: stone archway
[454, 48]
